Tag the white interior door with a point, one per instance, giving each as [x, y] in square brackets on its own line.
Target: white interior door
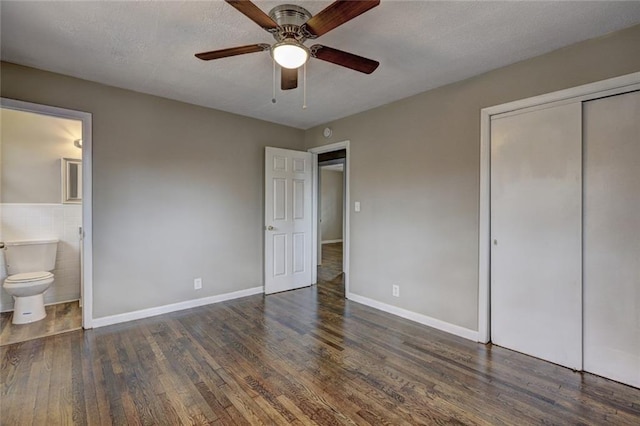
[288, 219]
[536, 220]
[612, 237]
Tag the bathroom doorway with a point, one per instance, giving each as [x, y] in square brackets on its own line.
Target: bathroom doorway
[45, 195]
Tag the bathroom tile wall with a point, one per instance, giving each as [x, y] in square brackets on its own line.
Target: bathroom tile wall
[46, 221]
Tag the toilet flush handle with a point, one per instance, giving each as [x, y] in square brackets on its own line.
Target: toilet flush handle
[1, 245]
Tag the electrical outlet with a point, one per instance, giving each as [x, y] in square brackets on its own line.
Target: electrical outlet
[197, 283]
[396, 290]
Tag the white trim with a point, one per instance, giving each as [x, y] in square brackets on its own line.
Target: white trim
[347, 210]
[484, 231]
[61, 302]
[598, 89]
[331, 241]
[315, 250]
[87, 188]
[609, 87]
[416, 317]
[159, 310]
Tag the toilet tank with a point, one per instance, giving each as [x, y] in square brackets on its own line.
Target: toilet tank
[30, 256]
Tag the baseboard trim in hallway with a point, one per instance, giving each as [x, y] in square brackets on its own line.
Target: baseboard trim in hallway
[331, 241]
[419, 318]
[159, 310]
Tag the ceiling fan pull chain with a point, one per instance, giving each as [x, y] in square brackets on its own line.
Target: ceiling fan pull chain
[304, 86]
[273, 98]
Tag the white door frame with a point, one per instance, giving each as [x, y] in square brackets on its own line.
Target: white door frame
[87, 223]
[609, 87]
[345, 229]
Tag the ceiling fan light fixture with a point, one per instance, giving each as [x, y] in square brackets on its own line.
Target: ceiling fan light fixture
[290, 53]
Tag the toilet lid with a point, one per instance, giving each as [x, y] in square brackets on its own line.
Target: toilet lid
[29, 276]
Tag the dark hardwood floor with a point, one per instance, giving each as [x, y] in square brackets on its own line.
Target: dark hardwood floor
[301, 357]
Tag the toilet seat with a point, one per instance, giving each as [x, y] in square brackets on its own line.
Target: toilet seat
[28, 277]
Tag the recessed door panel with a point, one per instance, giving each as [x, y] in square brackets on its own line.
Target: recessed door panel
[279, 163]
[279, 255]
[536, 210]
[298, 199]
[299, 252]
[299, 165]
[279, 199]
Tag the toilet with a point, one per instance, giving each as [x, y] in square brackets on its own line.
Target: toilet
[29, 265]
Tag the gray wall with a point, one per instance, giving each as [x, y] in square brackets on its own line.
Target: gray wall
[331, 191]
[177, 190]
[32, 146]
[415, 170]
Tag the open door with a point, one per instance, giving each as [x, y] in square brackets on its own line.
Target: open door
[288, 220]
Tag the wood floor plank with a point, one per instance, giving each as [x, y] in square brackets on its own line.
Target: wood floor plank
[302, 357]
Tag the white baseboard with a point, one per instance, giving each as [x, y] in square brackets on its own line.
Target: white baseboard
[74, 299]
[159, 310]
[331, 241]
[414, 316]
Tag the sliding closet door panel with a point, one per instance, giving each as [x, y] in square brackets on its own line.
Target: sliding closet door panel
[536, 228]
[612, 237]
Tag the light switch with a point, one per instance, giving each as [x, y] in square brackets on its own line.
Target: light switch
[357, 206]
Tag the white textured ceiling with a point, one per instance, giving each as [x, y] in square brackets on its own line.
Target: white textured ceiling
[149, 47]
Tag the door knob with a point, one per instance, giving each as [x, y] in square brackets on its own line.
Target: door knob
[270, 228]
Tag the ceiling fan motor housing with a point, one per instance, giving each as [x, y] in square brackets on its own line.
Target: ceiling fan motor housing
[289, 18]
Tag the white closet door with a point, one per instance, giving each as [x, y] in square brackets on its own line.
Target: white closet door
[536, 228]
[612, 237]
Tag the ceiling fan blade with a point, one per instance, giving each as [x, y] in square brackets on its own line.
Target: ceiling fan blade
[254, 13]
[345, 59]
[288, 78]
[233, 51]
[336, 14]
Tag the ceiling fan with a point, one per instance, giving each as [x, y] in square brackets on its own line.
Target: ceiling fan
[291, 26]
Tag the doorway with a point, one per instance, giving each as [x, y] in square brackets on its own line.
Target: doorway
[331, 218]
[52, 146]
